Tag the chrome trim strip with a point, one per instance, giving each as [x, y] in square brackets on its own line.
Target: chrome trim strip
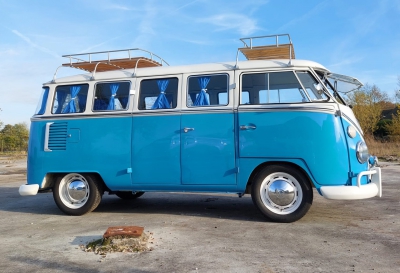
[289, 109]
[46, 137]
[72, 117]
[242, 108]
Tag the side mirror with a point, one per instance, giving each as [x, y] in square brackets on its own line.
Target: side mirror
[318, 87]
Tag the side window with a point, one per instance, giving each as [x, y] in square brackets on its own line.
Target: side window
[158, 94]
[41, 107]
[111, 96]
[70, 99]
[208, 90]
[275, 87]
[245, 97]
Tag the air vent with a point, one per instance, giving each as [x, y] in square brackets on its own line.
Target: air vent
[58, 136]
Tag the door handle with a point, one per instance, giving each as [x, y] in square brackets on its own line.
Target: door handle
[187, 129]
[247, 127]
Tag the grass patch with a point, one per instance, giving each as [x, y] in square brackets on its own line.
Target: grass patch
[384, 149]
[119, 244]
[12, 156]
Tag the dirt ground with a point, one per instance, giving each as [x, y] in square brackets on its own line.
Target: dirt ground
[200, 232]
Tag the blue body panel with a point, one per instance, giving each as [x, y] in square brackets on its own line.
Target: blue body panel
[98, 145]
[156, 150]
[315, 139]
[208, 151]
[355, 166]
[154, 153]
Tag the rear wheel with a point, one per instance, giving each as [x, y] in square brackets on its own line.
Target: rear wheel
[282, 193]
[77, 194]
[129, 195]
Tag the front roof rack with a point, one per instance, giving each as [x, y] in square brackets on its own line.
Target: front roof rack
[84, 61]
[275, 50]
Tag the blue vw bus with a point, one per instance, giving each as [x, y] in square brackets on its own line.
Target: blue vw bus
[271, 126]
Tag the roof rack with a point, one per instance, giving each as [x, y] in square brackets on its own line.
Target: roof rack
[269, 51]
[84, 61]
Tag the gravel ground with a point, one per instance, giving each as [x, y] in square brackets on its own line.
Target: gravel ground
[200, 233]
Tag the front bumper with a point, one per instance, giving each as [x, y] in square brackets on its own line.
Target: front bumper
[31, 189]
[372, 189]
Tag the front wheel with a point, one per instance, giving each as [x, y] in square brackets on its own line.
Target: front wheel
[77, 194]
[282, 193]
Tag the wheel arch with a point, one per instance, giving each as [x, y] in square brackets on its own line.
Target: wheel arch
[51, 178]
[280, 163]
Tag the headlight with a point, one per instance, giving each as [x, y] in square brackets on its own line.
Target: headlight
[362, 152]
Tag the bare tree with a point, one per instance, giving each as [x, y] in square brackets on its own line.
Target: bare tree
[397, 95]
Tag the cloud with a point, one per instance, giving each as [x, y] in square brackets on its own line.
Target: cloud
[185, 5]
[242, 24]
[9, 52]
[316, 10]
[118, 7]
[89, 49]
[192, 41]
[43, 49]
[346, 62]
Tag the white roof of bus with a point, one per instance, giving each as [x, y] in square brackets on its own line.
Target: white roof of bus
[196, 68]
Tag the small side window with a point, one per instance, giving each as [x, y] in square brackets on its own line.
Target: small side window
[111, 96]
[312, 86]
[207, 90]
[41, 107]
[70, 99]
[158, 94]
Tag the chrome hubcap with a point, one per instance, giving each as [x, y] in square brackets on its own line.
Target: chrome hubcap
[281, 193]
[77, 190]
[74, 190]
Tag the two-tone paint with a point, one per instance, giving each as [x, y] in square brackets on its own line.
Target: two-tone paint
[207, 149]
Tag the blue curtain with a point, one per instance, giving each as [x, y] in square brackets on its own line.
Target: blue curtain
[202, 97]
[61, 96]
[82, 102]
[71, 104]
[44, 100]
[124, 101]
[161, 101]
[111, 103]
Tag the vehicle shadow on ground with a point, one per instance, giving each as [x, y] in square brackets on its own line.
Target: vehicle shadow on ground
[199, 205]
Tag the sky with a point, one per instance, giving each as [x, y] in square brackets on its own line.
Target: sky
[359, 38]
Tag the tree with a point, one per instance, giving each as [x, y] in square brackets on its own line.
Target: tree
[14, 137]
[397, 95]
[1, 123]
[394, 126]
[367, 106]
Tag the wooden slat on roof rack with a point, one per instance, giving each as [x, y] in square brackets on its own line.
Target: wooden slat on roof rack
[268, 52]
[114, 64]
